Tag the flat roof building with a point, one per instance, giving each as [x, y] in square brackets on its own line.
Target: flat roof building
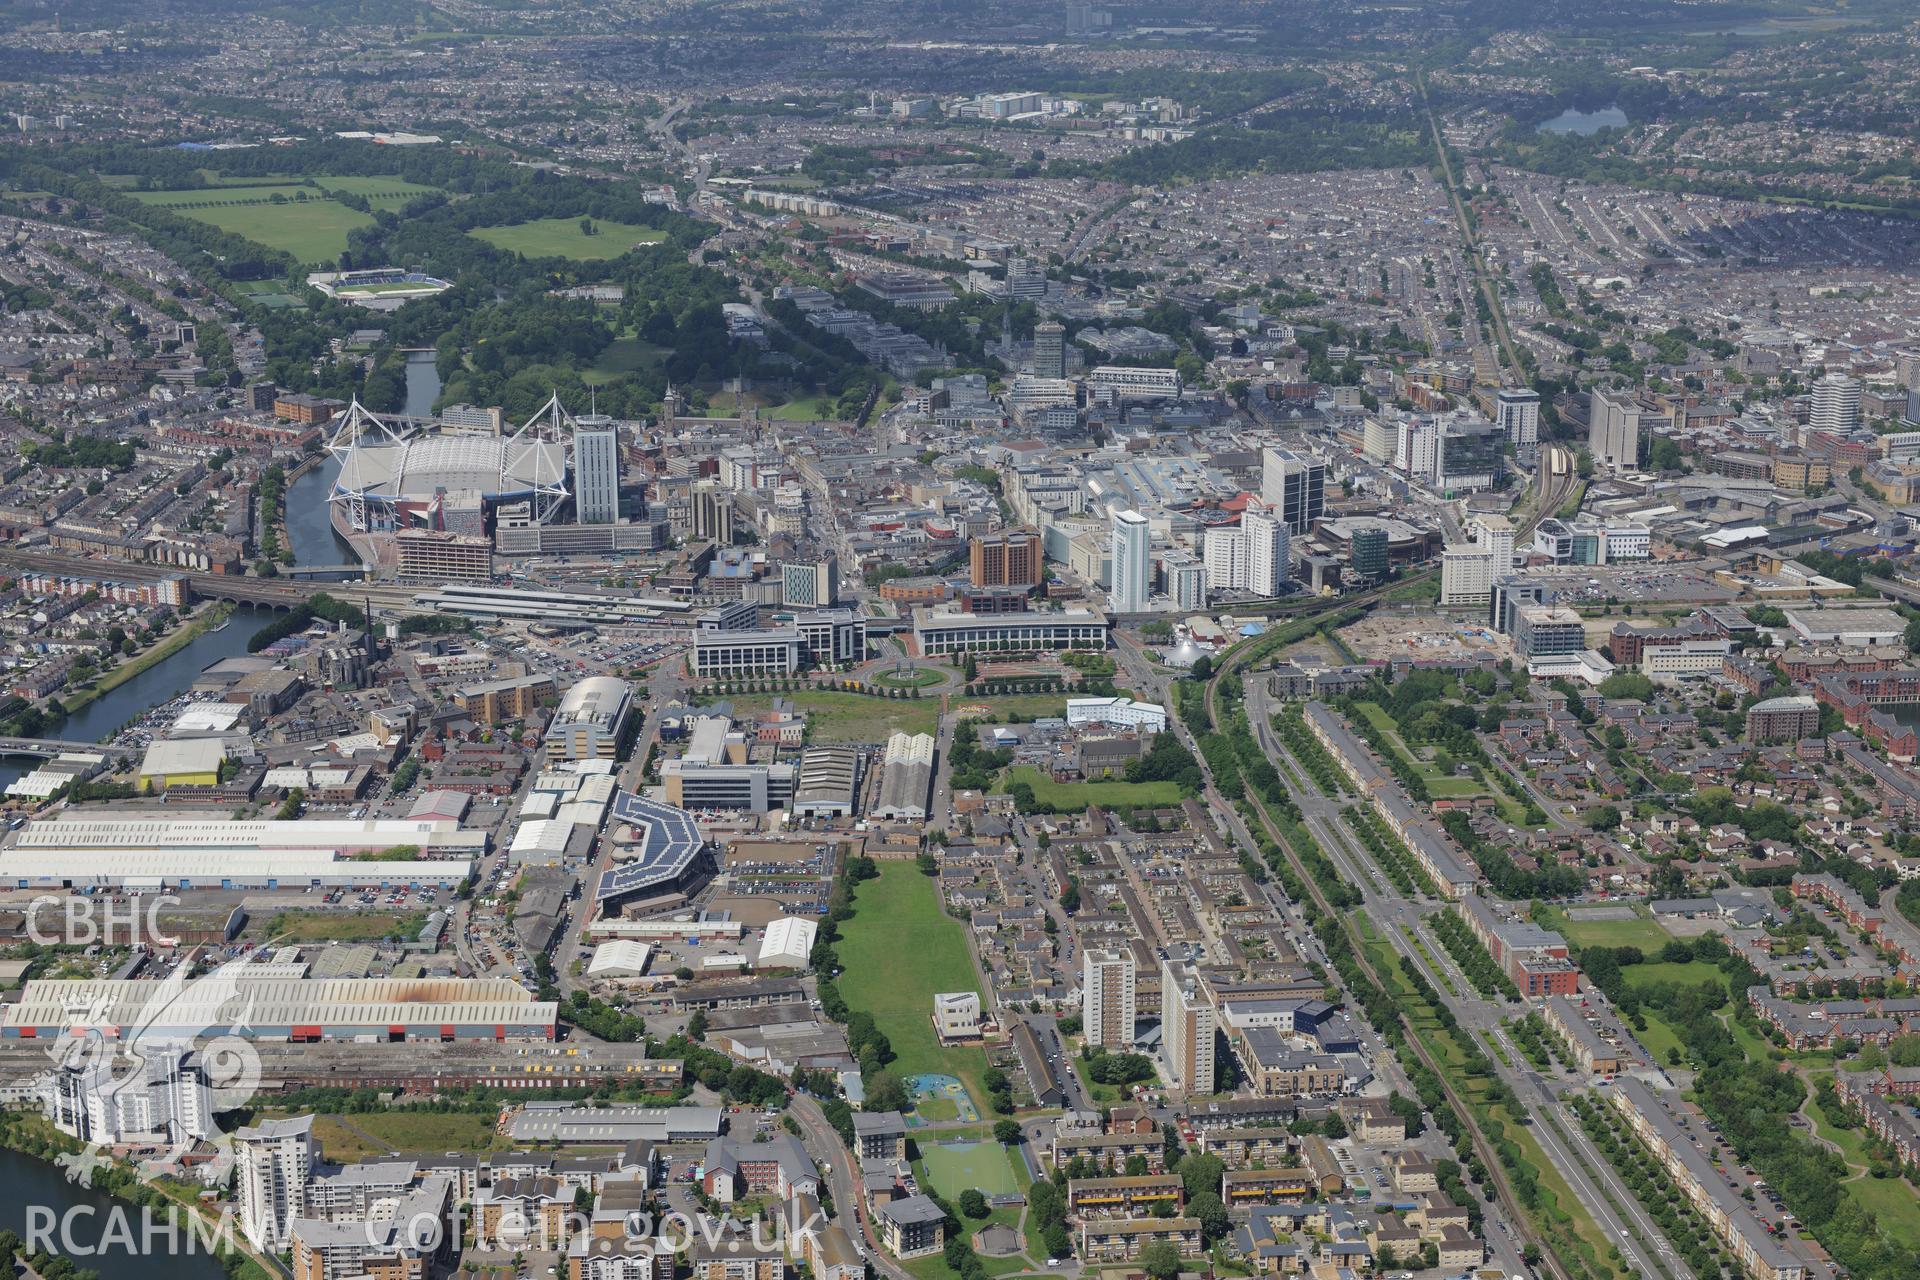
[944, 632]
[589, 721]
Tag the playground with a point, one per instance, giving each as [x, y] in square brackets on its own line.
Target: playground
[938, 1098]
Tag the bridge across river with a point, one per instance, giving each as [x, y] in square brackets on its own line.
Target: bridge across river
[268, 593]
[47, 748]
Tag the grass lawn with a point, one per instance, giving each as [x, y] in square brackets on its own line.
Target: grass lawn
[853, 717]
[934, 1266]
[1638, 932]
[562, 238]
[622, 357]
[1853, 1145]
[1893, 1202]
[984, 1166]
[1748, 1039]
[1071, 796]
[914, 678]
[313, 231]
[806, 409]
[1439, 784]
[898, 950]
[1658, 1038]
[1377, 716]
[356, 926]
[347, 1137]
[1692, 973]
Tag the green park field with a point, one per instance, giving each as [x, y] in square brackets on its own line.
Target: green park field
[563, 238]
[1069, 797]
[898, 950]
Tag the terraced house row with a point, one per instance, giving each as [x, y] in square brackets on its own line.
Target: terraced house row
[1706, 1189]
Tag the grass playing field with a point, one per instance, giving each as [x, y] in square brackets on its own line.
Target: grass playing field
[1640, 931]
[563, 238]
[898, 950]
[955, 1167]
[313, 229]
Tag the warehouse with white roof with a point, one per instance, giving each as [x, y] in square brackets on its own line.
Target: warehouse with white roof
[200, 851]
[906, 778]
[620, 958]
[276, 1007]
[788, 944]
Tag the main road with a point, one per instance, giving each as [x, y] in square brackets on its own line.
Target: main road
[1401, 921]
[821, 1136]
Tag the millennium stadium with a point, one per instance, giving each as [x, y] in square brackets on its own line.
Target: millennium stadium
[551, 486]
[394, 478]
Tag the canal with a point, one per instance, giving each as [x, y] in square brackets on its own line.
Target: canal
[100, 1228]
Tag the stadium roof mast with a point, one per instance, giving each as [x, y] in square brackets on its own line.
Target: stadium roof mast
[356, 426]
[550, 424]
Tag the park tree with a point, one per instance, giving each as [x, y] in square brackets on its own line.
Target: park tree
[885, 1092]
[1211, 1213]
[1160, 1261]
[1201, 1172]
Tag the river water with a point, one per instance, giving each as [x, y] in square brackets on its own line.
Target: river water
[309, 522]
[423, 384]
[31, 1186]
[163, 681]
[24, 1181]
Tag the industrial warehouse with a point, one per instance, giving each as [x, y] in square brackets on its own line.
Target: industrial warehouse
[277, 1007]
[205, 851]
